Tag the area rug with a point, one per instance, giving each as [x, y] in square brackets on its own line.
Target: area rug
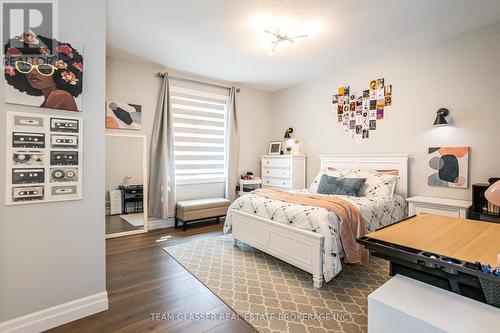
[136, 219]
[274, 296]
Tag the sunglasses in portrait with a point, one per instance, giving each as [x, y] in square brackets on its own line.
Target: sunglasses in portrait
[43, 69]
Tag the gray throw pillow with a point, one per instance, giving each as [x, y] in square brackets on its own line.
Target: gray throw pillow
[342, 186]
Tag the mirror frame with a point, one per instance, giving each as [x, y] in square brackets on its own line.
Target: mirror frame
[145, 175]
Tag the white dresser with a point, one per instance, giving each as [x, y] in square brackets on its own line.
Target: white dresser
[286, 172]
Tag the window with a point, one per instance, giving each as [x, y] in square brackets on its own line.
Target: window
[199, 135]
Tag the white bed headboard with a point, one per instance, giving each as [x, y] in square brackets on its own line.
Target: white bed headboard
[371, 161]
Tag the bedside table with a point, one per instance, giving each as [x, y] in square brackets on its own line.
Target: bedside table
[254, 183]
[439, 206]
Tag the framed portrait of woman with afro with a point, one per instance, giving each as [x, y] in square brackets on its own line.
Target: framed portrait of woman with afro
[43, 72]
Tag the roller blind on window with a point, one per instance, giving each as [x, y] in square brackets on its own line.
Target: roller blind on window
[199, 135]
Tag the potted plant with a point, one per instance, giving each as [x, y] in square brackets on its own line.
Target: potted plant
[289, 150]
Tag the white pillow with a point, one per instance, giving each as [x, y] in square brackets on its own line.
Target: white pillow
[377, 183]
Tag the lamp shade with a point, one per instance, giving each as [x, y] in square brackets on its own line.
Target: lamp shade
[492, 194]
[287, 133]
[441, 117]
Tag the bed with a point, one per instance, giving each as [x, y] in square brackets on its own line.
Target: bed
[308, 237]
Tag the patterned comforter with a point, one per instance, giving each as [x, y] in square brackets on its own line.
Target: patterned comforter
[377, 212]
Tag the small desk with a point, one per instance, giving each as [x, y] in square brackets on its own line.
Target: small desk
[441, 251]
[134, 195]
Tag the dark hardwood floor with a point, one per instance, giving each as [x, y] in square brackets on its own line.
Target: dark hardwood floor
[143, 279]
[115, 224]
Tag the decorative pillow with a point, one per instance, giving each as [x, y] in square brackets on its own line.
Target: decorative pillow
[341, 186]
[378, 183]
[313, 188]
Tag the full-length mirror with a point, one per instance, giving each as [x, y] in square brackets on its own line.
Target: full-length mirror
[126, 184]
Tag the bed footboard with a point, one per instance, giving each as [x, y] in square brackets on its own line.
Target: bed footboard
[300, 248]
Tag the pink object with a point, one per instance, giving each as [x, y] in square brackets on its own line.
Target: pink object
[492, 194]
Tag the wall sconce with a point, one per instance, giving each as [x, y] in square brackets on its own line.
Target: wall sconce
[441, 115]
[287, 133]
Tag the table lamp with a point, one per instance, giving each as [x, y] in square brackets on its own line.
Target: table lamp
[492, 194]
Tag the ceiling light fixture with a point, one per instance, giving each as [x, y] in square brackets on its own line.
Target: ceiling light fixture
[279, 38]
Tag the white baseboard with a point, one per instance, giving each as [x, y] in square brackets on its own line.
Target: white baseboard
[158, 224]
[57, 315]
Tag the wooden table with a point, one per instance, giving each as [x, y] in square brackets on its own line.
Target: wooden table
[443, 251]
[462, 239]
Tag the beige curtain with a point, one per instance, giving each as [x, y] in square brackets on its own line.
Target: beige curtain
[161, 166]
[232, 147]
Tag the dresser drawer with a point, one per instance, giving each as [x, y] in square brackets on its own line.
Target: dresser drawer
[276, 162]
[284, 183]
[436, 211]
[282, 173]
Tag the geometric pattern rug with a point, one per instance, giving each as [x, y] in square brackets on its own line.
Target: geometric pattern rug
[274, 296]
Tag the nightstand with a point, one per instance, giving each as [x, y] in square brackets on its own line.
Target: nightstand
[438, 206]
[254, 183]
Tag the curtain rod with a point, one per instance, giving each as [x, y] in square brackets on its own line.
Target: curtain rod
[161, 75]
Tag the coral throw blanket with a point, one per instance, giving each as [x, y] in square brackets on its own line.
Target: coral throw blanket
[352, 225]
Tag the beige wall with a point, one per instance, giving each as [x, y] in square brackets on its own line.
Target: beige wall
[461, 74]
[53, 253]
[136, 83]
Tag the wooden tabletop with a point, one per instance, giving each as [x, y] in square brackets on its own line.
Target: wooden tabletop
[453, 237]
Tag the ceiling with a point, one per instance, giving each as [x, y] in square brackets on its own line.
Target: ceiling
[223, 39]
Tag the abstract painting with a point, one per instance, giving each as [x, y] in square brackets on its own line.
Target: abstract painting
[123, 116]
[448, 167]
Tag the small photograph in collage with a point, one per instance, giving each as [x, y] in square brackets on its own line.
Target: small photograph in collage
[380, 104]
[352, 106]
[380, 114]
[388, 95]
[380, 89]
[335, 99]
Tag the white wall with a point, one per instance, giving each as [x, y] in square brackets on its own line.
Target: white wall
[123, 159]
[461, 74]
[136, 83]
[54, 253]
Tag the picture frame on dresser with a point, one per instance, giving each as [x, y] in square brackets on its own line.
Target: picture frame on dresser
[274, 148]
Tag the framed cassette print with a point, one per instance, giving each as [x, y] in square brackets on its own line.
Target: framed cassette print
[44, 158]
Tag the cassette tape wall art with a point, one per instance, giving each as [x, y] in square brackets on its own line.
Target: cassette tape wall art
[44, 158]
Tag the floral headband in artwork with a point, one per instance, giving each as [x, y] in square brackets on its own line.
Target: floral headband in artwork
[65, 65]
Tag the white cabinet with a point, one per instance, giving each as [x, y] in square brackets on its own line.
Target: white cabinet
[410, 306]
[438, 206]
[286, 172]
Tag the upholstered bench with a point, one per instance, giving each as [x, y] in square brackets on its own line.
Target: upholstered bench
[201, 209]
